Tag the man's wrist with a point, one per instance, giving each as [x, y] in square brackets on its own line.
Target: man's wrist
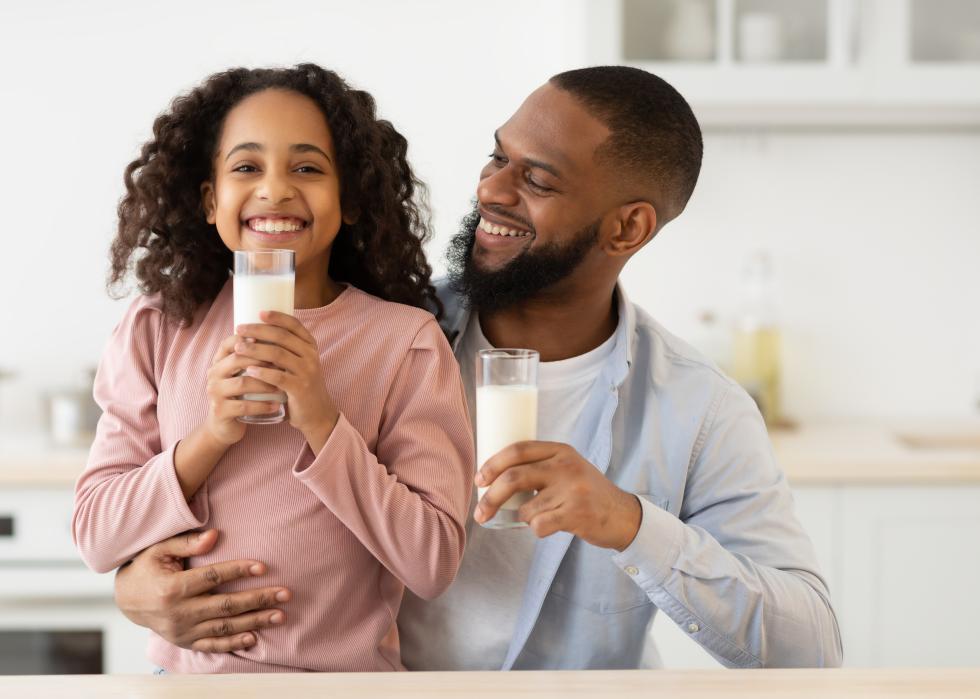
[630, 520]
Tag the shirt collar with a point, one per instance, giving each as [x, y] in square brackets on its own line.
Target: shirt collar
[456, 315]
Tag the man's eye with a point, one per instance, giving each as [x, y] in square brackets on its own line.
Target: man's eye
[498, 159]
[538, 186]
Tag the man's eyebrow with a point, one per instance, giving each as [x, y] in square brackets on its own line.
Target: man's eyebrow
[295, 148]
[532, 162]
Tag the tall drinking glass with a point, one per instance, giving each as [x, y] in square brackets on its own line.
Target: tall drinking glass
[264, 281]
[506, 412]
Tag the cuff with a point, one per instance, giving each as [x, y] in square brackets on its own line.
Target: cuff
[651, 555]
[192, 514]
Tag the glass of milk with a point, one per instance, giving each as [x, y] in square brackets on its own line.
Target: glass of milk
[506, 412]
[264, 281]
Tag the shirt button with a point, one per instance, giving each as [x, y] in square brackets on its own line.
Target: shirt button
[693, 628]
[632, 570]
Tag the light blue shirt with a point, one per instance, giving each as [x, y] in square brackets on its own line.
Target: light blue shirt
[719, 549]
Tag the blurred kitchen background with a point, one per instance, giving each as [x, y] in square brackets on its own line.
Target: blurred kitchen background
[830, 256]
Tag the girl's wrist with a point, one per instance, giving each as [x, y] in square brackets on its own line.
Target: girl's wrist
[317, 435]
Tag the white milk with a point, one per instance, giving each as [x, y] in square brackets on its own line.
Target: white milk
[505, 415]
[262, 292]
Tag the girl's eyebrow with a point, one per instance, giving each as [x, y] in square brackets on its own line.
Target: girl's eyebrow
[295, 148]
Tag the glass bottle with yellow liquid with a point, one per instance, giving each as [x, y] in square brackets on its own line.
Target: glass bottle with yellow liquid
[757, 345]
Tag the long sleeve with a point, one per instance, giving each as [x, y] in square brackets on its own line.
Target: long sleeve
[128, 497]
[407, 502]
[736, 571]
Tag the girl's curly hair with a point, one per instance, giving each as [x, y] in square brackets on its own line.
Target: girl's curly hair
[164, 238]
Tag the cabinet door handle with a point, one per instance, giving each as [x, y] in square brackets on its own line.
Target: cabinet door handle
[6, 526]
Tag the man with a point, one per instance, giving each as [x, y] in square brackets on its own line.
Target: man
[656, 485]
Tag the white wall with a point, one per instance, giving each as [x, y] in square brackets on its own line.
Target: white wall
[80, 85]
[874, 236]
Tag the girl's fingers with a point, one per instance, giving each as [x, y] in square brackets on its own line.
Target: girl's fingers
[226, 348]
[272, 354]
[275, 335]
[290, 323]
[240, 385]
[232, 365]
[229, 409]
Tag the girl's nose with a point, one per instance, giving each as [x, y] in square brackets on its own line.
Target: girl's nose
[497, 186]
[275, 189]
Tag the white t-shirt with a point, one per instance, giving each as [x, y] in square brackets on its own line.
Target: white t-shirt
[469, 627]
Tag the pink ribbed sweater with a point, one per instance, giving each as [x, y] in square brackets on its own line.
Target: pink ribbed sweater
[382, 506]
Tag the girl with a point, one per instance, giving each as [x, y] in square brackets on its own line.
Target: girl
[365, 489]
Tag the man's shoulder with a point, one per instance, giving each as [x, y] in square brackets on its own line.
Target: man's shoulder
[671, 360]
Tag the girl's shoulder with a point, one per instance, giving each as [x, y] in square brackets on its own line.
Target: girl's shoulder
[387, 316]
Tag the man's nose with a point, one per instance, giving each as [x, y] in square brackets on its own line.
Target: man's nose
[497, 186]
[275, 188]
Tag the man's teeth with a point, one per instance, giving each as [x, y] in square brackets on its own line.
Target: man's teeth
[268, 225]
[494, 229]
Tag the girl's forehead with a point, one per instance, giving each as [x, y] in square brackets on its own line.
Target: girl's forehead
[276, 118]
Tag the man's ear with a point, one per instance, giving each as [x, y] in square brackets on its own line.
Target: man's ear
[207, 201]
[633, 226]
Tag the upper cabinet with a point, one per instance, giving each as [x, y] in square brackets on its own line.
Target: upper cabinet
[848, 62]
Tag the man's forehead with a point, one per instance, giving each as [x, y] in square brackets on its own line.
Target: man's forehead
[553, 125]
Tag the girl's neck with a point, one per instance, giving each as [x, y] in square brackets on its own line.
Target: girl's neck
[314, 287]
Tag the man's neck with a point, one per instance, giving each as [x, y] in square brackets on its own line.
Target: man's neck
[558, 323]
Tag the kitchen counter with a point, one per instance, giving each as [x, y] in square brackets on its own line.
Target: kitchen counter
[696, 684]
[880, 453]
[845, 453]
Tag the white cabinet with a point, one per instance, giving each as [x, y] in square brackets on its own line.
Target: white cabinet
[902, 563]
[807, 62]
[910, 565]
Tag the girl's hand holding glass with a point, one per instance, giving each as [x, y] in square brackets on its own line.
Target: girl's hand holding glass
[225, 387]
[289, 360]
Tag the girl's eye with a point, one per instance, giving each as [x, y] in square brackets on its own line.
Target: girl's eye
[304, 169]
[244, 168]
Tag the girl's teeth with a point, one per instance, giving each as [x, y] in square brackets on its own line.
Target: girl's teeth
[279, 226]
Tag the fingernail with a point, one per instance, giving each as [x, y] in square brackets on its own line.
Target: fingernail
[248, 640]
[282, 596]
[276, 618]
[250, 371]
[479, 478]
[255, 569]
[478, 514]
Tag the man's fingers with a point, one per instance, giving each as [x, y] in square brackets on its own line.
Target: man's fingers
[184, 545]
[233, 604]
[224, 645]
[513, 455]
[542, 502]
[517, 479]
[222, 635]
[197, 581]
[547, 523]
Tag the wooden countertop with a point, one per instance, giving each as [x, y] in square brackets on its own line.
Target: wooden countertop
[819, 454]
[676, 684]
[879, 453]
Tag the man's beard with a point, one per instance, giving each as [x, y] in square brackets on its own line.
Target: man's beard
[518, 280]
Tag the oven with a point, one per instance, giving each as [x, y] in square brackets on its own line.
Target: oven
[56, 616]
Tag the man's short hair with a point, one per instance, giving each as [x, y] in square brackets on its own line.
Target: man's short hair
[655, 140]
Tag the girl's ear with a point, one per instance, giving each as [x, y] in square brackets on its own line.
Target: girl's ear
[207, 200]
[350, 217]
